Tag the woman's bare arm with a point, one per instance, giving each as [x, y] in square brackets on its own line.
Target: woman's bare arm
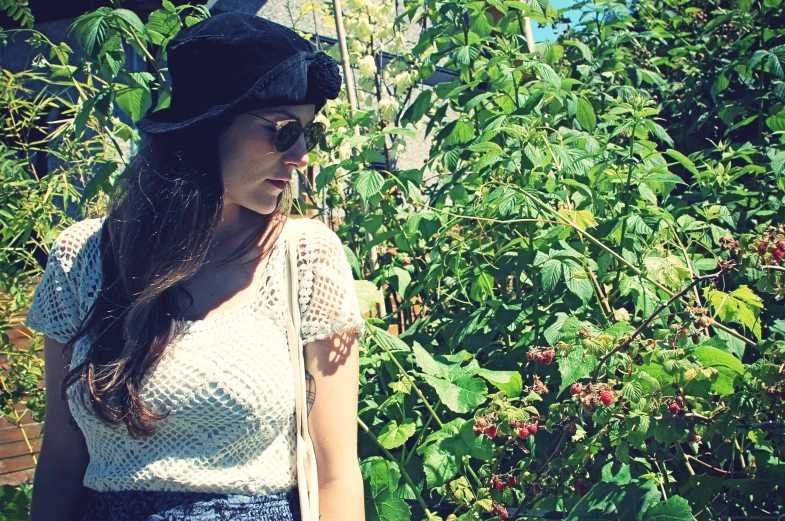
[335, 364]
[58, 493]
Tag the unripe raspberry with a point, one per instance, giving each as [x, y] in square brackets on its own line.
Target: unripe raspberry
[781, 244]
[491, 431]
[606, 397]
[674, 408]
[512, 481]
[523, 432]
[576, 389]
[763, 245]
[693, 437]
[476, 431]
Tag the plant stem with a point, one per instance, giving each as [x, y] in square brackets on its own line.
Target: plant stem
[405, 374]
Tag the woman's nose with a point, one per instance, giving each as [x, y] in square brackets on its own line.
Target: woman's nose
[297, 155]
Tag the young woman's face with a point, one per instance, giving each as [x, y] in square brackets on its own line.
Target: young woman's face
[249, 161]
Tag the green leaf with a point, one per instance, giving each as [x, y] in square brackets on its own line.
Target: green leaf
[394, 435]
[368, 295]
[380, 480]
[443, 450]
[668, 271]
[741, 306]
[675, 508]
[368, 183]
[585, 115]
[508, 381]
[130, 18]
[683, 160]
[487, 146]
[576, 365]
[427, 363]
[462, 132]
[463, 394]
[135, 98]
[92, 29]
[728, 366]
[615, 502]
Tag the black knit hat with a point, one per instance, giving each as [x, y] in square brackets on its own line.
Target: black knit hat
[235, 60]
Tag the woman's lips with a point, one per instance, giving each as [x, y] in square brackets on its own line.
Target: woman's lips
[278, 184]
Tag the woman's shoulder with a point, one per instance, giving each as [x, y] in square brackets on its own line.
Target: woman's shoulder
[76, 240]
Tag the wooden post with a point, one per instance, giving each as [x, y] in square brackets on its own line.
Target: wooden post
[349, 77]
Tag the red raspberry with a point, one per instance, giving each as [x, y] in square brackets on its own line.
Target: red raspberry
[500, 485]
[511, 481]
[491, 431]
[682, 331]
[582, 487]
[406, 261]
[576, 389]
[777, 253]
[536, 489]
[4, 367]
[606, 397]
[545, 358]
[523, 432]
[781, 244]
[532, 428]
[674, 408]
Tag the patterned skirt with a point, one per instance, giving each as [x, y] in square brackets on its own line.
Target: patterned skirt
[136, 505]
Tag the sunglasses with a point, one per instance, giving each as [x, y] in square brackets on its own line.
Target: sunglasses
[287, 133]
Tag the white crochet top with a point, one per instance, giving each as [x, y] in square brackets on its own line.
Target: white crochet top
[227, 380]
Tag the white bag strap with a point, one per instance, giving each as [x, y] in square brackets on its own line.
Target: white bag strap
[307, 476]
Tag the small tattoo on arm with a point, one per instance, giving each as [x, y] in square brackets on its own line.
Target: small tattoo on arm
[310, 389]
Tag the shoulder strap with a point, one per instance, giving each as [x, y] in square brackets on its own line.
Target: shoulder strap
[307, 477]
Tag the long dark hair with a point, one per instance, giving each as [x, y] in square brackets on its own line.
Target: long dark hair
[163, 212]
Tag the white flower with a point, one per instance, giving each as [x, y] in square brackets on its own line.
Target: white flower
[362, 29]
[388, 31]
[358, 47]
[321, 118]
[398, 148]
[373, 9]
[403, 81]
[344, 150]
[367, 65]
[388, 108]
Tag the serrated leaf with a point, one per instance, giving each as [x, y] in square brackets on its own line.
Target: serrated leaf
[368, 183]
[683, 160]
[675, 508]
[633, 391]
[668, 271]
[393, 435]
[380, 479]
[463, 394]
[508, 381]
[584, 113]
[576, 365]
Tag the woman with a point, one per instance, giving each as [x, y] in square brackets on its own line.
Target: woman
[170, 390]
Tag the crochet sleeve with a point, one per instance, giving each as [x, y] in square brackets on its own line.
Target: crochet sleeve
[328, 301]
[55, 307]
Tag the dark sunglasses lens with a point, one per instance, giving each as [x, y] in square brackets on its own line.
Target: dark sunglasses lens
[287, 136]
[313, 134]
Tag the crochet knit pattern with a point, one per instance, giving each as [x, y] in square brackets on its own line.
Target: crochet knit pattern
[227, 380]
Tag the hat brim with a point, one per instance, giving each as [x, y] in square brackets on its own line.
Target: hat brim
[171, 119]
